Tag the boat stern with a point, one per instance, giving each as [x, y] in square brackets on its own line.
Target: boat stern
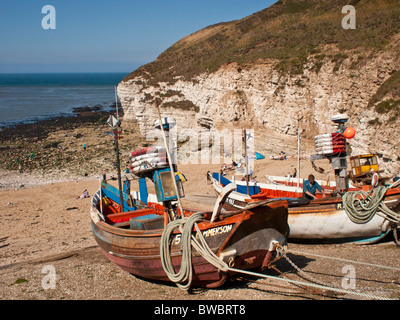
[256, 239]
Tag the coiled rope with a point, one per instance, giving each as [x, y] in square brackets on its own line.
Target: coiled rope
[185, 274]
[188, 240]
[361, 206]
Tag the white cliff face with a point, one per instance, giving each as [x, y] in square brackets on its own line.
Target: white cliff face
[257, 96]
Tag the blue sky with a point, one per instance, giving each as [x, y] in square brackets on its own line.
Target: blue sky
[104, 36]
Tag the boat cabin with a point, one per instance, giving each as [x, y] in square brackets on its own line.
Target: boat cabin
[361, 165]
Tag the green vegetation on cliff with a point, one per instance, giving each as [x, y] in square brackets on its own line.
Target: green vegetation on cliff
[288, 32]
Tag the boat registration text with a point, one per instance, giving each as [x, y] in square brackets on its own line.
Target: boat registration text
[208, 233]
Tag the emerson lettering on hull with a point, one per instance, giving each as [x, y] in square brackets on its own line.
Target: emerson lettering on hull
[208, 233]
[217, 230]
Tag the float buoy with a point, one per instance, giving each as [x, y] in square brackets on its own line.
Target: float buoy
[349, 133]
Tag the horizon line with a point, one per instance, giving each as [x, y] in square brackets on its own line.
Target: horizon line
[64, 72]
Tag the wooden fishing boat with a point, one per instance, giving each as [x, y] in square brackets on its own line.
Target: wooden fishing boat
[321, 220]
[341, 216]
[276, 187]
[134, 231]
[328, 185]
[245, 239]
[279, 186]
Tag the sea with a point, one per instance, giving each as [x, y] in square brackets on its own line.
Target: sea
[28, 98]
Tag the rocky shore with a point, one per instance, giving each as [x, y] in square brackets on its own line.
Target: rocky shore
[72, 147]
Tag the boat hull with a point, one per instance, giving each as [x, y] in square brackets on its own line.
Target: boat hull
[140, 256]
[325, 220]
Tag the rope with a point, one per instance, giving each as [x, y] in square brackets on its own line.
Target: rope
[346, 260]
[322, 287]
[188, 240]
[361, 206]
[185, 273]
[282, 252]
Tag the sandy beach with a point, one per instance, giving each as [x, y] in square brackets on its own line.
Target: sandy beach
[44, 223]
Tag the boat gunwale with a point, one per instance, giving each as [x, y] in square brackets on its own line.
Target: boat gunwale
[242, 215]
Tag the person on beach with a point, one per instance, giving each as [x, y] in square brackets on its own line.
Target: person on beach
[374, 179]
[19, 165]
[310, 188]
[84, 195]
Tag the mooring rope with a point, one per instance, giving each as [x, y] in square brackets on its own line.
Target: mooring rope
[183, 278]
[345, 260]
[361, 206]
[185, 274]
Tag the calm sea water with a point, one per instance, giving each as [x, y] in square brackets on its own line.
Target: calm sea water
[31, 97]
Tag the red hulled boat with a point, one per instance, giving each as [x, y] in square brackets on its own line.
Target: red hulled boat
[245, 239]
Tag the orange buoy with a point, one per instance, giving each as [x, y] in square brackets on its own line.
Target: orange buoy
[349, 133]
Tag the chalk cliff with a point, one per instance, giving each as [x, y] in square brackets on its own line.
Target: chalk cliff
[275, 95]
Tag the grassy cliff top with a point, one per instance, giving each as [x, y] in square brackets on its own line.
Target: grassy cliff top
[287, 32]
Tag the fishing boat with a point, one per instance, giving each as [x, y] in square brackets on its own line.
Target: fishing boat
[132, 239]
[322, 220]
[338, 217]
[133, 228]
[328, 185]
